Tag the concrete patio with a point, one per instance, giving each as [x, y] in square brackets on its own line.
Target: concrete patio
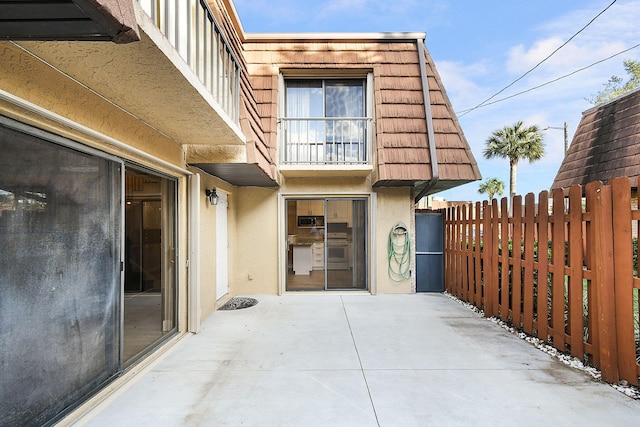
[360, 360]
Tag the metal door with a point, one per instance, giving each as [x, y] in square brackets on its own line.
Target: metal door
[429, 252]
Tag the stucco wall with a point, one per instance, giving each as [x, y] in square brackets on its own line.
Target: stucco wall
[258, 240]
[255, 247]
[51, 93]
[393, 206]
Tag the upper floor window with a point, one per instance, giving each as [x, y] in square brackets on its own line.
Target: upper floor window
[325, 121]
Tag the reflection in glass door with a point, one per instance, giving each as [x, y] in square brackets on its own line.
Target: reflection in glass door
[150, 291]
[326, 244]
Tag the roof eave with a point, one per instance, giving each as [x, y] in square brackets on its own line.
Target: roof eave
[352, 37]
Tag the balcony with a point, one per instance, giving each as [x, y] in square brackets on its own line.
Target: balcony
[329, 146]
[191, 29]
[181, 78]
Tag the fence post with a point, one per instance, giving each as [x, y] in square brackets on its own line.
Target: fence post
[602, 248]
[623, 281]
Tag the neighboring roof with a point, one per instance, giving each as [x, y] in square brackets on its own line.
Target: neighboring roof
[606, 144]
[402, 148]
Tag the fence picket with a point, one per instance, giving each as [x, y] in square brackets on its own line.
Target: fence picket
[516, 261]
[477, 283]
[558, 264]
[493, 256]
[542, 303]
[456, 252]
[623, 267]
[517, 267]
[576, 261]
[529, 243]
[487, 261]
[603, 257]
[504, 261]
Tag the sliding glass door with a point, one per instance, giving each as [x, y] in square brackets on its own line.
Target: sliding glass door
[62, 296]
[150, 277]
[346, 244]
[60, 293]
[326, 244]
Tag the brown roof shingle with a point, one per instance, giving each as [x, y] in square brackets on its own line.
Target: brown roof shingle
[401, 144]
[606, 144]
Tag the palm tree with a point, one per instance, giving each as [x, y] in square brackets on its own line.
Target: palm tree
[515, 143]
[492, 186]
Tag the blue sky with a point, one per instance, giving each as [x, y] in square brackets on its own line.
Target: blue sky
[479, 47]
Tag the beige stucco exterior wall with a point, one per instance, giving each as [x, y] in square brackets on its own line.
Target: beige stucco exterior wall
[393, 205]
[260, 240]
[50, 93]
[255, 266]
[209, 299]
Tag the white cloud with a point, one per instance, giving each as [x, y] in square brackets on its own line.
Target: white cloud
[462, 79]
[569, 58]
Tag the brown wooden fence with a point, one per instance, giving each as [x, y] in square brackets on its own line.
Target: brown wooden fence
[564, 270]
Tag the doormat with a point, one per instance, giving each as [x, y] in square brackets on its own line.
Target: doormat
[236, 303]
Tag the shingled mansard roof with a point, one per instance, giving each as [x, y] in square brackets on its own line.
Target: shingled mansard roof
[401, 140]
[606, 144]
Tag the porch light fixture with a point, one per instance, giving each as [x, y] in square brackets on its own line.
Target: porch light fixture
[212, 195]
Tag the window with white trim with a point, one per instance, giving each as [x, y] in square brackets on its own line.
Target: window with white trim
[325, 121]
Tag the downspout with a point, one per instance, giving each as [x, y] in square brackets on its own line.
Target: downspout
[429, 118]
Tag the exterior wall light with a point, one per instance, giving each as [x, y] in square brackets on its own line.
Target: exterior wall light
[212, 195]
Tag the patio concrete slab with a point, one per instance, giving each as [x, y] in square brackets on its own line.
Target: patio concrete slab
[361, 360]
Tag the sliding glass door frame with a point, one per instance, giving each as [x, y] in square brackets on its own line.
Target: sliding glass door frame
[333, 241]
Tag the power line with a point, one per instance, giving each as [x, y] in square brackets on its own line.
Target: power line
[538, 64]
[463, 112]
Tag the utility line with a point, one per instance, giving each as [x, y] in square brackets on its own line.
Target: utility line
[463, 112]
[538, 64]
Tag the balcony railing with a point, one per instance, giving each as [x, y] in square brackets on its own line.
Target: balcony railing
[326, 141]
[191, 29]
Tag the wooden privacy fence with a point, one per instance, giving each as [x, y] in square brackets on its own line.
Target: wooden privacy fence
[564, 270]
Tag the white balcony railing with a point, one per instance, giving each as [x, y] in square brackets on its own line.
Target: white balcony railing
[190, 27]
[326, 141]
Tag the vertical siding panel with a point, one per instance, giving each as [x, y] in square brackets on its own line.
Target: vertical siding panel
[623, 259]
[529, 242]
[542, 306]
[576, 261]
[557, 283]
[516, 272]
